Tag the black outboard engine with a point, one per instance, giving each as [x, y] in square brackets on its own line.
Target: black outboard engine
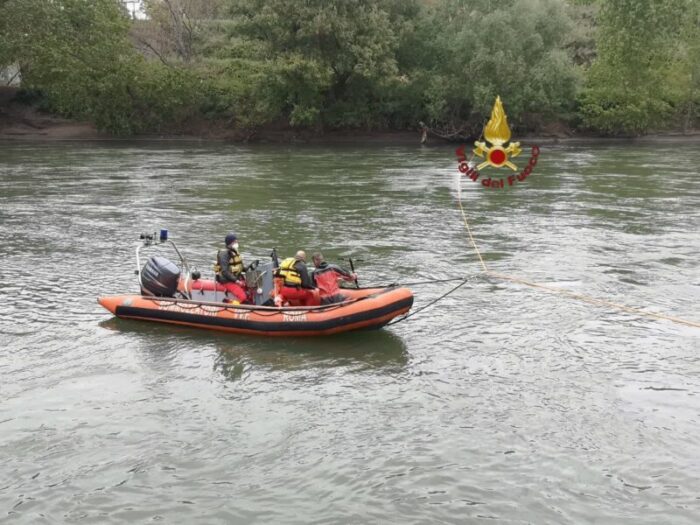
[159, 277]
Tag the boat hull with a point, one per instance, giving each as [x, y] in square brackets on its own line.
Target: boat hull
[368, 308]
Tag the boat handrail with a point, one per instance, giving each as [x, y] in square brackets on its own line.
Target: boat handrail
[251, 307]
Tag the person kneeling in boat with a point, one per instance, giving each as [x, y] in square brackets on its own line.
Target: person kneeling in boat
[229, 269]
[326, 277]
[298, 288]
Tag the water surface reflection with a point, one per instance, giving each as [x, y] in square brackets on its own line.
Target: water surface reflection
[379, 351]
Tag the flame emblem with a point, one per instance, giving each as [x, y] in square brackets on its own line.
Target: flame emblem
[497, 133]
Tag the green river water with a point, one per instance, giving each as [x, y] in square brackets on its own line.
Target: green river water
[499, 404]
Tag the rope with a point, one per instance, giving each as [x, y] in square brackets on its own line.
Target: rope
[464, 281]
[417, 283]
[573, 295]
[469, 231]
[593, 300]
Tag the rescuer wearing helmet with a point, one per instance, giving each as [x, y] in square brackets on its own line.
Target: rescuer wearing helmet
[298, 288]
[229, 268]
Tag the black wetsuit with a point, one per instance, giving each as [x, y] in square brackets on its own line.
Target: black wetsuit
[306, 281]
[326, 267]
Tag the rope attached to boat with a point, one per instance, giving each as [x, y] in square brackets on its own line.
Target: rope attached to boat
[464, 281]
[581, 297]
[433, 281]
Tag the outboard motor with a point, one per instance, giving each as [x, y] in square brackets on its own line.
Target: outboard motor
[159, 277]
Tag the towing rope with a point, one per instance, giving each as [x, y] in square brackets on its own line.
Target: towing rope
[581, 297]
[464, 281]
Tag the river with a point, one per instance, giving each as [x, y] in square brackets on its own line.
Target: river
[501, 403]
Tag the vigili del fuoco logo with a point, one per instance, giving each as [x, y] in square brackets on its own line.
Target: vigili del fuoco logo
[498, 155]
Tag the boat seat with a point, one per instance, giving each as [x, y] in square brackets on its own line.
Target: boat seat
[209, 290]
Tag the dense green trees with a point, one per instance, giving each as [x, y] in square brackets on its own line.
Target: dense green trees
[611, 66]
[75, 51]
[324, 63]
[474, 50]
[78, 54]
[646, 70]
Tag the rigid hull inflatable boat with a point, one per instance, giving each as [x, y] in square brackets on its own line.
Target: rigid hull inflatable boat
[367, 308]
[175, 294]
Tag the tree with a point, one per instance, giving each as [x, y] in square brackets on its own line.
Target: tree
[630, 86]
[686, 71]
[324, 60]
[173, 28]
[78, 54]
[478, 49]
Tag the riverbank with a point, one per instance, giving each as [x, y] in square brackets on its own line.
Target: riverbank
[20, 122]
[23, 122]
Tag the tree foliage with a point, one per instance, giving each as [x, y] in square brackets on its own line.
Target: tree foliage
[616, 66]
[481, 49]
[323, 62]
[174, 29]
[78, 54]
[633, 84]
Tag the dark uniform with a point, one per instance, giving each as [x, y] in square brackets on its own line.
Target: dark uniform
[229, 269]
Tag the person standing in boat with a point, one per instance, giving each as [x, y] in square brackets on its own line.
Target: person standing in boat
[326, 277]
[229, 268]
[298, 288]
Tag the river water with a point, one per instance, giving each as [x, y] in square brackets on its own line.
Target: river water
[501, 403]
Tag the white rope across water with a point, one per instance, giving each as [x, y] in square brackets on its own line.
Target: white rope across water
[581, 297]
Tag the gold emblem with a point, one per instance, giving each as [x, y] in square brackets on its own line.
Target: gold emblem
[497, 133]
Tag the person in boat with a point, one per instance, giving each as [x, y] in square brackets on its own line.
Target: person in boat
[229, 269]
[326, 277]
[297, 287]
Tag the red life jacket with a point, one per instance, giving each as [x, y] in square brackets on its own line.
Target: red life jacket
[327, 282]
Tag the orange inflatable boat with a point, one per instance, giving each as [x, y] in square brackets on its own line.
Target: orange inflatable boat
[366, 308]
[175, 294]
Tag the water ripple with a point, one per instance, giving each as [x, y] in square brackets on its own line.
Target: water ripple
[499, 403]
